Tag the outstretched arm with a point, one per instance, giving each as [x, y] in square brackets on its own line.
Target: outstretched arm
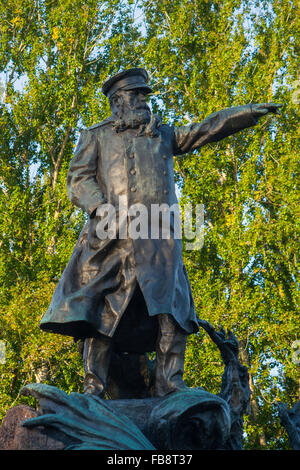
[219, 125]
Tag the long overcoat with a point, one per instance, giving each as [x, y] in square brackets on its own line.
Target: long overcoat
[101, 277]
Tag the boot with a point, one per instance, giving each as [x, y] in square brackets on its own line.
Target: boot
[170, 349]
[96, 359]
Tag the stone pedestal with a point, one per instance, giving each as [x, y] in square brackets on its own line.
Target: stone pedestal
[189, 419]
[13, 436]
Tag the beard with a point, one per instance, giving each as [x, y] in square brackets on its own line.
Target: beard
[139, 118]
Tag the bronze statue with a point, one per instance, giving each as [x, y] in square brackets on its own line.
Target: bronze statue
[127, 294]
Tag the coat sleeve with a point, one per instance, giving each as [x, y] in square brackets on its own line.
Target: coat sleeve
[215, 127]
[82, 186]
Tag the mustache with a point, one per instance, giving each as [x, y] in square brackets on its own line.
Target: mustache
[148, 124]
[140, 112]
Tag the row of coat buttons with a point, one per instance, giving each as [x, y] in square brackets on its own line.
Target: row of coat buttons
[133, 190]
[165, 173]
[132, 171]
[131, 155]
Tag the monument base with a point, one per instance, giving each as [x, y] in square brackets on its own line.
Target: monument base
[189, 419]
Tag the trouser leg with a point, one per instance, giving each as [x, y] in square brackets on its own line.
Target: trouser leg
[170, 350]
[96, 359]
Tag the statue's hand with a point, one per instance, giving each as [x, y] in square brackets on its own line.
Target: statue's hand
[262, 109]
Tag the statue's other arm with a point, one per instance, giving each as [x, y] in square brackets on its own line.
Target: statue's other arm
[82, 186]
[219, 125]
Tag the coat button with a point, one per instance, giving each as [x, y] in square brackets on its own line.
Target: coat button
[164, 172]
[132, 171]
[166, 191]
[133, 189]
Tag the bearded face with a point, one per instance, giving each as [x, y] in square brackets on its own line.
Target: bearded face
[131, 105]
[131, 111]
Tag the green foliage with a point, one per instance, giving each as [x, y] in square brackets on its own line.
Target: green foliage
[202, 56]
[208, 56]
[53, 58]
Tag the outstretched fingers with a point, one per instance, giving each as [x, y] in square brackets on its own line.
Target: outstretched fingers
[265, 108]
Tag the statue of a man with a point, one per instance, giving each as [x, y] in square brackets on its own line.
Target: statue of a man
[124, 293]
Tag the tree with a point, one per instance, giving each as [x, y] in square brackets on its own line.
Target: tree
[206, 56]
[53, 58]
[202, 56]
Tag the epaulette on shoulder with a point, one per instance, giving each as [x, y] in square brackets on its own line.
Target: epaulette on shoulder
[100, 124]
